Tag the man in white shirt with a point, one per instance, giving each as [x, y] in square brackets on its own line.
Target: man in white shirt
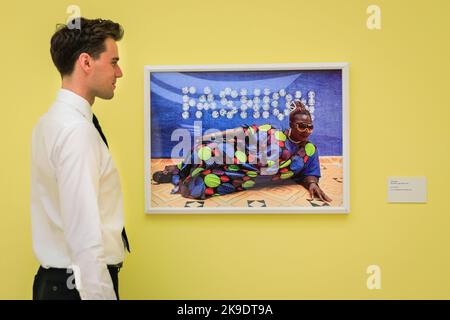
[76, 199]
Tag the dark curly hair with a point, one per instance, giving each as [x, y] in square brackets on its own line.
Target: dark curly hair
[67, 43]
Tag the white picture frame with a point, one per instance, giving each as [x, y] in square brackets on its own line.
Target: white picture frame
[342, 68]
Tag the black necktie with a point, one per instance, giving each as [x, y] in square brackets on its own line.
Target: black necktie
[97, 126]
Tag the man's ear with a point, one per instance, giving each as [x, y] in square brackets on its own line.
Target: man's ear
[85, 62]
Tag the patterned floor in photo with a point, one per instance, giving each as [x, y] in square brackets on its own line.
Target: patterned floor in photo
[287, 193]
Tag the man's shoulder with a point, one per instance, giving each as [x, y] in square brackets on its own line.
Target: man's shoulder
[63, 116]
[62, 120]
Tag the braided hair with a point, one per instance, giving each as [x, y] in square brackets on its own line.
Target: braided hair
[297, 107]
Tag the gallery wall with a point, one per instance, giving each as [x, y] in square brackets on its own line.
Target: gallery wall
[399, 112]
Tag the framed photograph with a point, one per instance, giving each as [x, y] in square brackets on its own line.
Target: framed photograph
[247, 139]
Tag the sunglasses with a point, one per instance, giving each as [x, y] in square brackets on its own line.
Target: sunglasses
[305, 126]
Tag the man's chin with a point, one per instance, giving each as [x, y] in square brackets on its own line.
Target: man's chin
[107, 96]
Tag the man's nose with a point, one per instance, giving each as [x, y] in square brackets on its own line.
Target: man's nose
[119, 73]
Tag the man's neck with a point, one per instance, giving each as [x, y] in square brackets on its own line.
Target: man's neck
[71, 85]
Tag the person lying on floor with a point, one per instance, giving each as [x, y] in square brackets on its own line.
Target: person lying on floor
[204, 173]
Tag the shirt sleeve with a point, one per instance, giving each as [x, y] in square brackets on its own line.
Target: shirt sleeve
[312, 165]
[78, 169]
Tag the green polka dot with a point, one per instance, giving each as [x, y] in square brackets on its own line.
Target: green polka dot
[180, 165]
[240, 156]
[280, 136]
[252, 174]
[204, 153]
[233, 167]
[270, 163]
[310, 149]
[286, 175]
[265, 127]
[248, 184]
[285, 164]
[212, 181]
[197, 171]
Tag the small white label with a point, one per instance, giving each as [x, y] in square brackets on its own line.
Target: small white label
[407, 189]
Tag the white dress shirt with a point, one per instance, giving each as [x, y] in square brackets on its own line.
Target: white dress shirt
[76, 199]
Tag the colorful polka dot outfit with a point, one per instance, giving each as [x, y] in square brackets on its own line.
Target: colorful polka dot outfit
[243, 163]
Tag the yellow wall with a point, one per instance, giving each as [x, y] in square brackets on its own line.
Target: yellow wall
[399, 112]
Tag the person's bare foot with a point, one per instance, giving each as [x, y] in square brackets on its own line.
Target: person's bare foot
[170, 168]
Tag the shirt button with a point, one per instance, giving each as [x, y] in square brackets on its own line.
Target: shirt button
[55, 288]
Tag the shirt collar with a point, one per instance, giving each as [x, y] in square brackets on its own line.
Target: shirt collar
[76, 101]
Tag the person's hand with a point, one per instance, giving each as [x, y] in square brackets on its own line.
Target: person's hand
[314, 189]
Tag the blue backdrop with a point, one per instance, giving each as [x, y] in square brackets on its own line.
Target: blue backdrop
[221, 100]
